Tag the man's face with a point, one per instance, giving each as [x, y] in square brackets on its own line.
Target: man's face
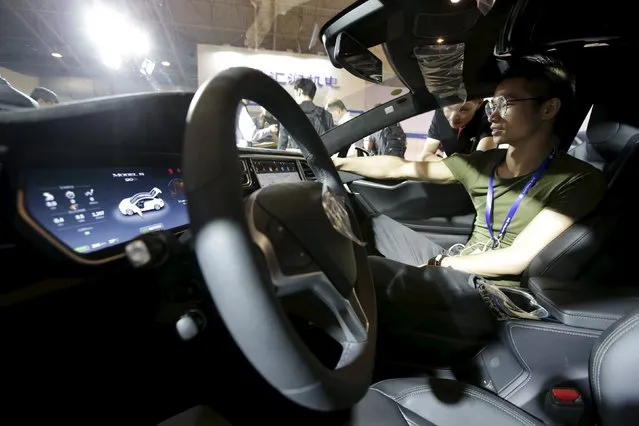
[517, 111]
[459, 115]
[336, 113]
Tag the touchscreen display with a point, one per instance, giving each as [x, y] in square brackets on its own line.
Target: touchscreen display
[270, 172]
[89, 210]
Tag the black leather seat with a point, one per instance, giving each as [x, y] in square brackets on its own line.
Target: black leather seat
[614, 374]
[610, 139]
[597, 246]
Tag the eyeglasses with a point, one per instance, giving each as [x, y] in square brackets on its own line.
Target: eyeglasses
[500, 104]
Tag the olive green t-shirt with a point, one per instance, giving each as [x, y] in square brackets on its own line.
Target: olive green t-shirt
[568, 186]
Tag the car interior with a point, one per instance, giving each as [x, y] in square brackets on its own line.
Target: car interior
[252, 300]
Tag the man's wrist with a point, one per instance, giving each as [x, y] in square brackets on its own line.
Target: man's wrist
[437, 260]
[446, 262]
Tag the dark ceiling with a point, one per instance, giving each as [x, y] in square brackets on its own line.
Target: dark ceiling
[30, 30]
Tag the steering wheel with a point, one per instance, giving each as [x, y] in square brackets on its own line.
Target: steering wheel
[285, 239]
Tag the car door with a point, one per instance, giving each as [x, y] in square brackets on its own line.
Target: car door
[443, 213]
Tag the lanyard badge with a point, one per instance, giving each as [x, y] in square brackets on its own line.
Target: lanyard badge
[490, 195]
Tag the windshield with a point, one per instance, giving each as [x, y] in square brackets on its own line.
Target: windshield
[60, 51]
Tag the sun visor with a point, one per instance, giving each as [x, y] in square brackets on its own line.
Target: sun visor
[442, 66]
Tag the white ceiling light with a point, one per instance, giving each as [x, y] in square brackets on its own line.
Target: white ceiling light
[440, 40]
[455, 1]
[165, 63]
[115, 36]
[56, 55]
[147, 67]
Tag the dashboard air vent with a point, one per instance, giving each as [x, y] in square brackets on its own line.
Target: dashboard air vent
[245, 175]
[306, 171]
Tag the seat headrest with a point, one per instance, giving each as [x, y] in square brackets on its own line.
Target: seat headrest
[614, 372]
[609, 129]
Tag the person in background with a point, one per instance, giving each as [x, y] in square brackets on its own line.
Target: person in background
[340, 116]
[390, 140]
[44, 96]
[322, 120]
[339, 112]
[13, 99]
[460, 128]
[247, 132]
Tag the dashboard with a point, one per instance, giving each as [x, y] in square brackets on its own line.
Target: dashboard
[88, 210]
[86, 178]
[90, 213]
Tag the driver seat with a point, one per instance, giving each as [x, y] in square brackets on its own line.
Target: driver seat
[614, 374]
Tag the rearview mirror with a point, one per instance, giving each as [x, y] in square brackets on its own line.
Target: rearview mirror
[357, 59]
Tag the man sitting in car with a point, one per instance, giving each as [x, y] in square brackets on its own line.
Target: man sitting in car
[524, 198]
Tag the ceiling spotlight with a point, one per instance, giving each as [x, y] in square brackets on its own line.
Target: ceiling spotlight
[440, 40]
[147, 67]
[455, 1]
[56, 54]
[165, 63]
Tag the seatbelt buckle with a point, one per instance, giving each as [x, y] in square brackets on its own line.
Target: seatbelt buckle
[565, 405]
[563, 396]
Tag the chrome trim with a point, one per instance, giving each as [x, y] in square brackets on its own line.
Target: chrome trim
[245, 172]
[381, 186]
[266, 156]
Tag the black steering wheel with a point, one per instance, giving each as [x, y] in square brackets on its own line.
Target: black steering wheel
[284, 239]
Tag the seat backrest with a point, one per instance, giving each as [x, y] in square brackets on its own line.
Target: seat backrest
[614, 373]
[608, 138]
[601, 242]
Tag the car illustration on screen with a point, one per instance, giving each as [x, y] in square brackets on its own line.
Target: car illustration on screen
[141, 202]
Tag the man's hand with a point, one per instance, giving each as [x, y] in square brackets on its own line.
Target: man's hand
[273, 128]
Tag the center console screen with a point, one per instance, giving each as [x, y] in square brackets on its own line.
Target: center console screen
[270, 172]
[90, 210]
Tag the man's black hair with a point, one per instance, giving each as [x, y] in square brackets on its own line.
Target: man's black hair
[548, 77]
[336, 104]
[307, 87]
[45, 94]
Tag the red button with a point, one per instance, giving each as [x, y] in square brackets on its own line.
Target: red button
[565, 395]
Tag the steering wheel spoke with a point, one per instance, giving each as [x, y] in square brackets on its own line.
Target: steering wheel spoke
[292, 271]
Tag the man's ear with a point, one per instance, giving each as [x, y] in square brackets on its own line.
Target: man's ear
[550, 108]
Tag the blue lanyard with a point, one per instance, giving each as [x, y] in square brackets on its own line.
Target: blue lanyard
[490, 195]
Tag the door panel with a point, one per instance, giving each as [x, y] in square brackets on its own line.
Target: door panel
[444, 213]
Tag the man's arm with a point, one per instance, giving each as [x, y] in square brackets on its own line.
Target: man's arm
[261, 133]
[390, 167]
[430, 148]
[282, 140]
[565, 206]
[329, 120]
[513, 260]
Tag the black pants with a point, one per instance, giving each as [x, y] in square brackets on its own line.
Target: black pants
[428, 314]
